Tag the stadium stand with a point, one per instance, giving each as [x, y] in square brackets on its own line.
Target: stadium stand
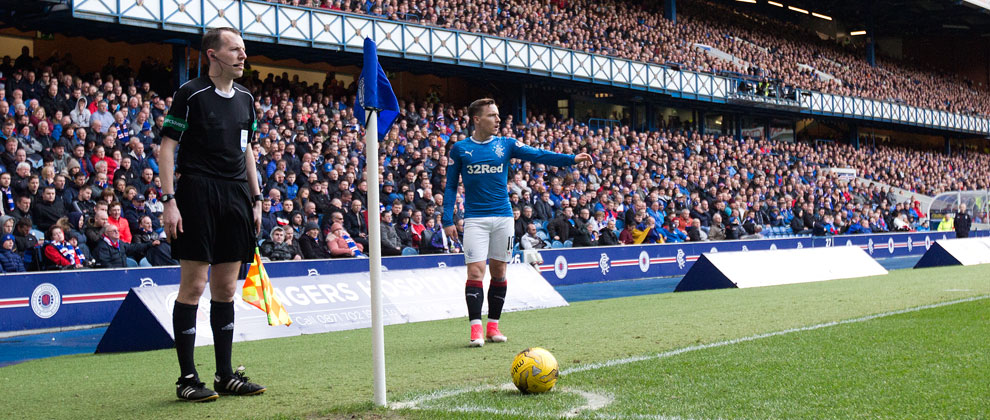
[708, 36]
[93, 136]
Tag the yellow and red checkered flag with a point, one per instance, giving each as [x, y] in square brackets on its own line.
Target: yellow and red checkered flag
[258, 292]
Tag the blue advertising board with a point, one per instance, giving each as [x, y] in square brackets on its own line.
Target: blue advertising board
[62, 299]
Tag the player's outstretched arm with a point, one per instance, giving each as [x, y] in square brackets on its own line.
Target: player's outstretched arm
[532, 154]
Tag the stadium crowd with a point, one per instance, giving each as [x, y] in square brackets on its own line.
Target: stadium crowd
[761, 46]
[79, 181]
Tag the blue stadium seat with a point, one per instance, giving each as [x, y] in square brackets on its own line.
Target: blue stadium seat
[144, 263]
[619, 224]
[568, 243]
[409, 251]
[556, 244]
[542, 235]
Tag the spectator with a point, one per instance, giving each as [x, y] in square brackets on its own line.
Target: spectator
[23, 237]
[585, 235]
[530, 240]
[716, 231]
[560, 227]
[59, 253]
[695, 233]
[607, 235]
[277, 249]
[10, 260]
[340, 244]
[80, 115]
[403, 229]
[114, 218]
[391, 244]
[310, 245]
[113, 252]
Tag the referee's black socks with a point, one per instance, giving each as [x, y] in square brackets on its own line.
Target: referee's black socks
[474, 294]
[184, 330]
[496, 298]
[222, 323]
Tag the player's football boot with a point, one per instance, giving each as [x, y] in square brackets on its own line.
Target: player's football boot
[237, 384]
[476, 339]
[494, 335]
[189, 388]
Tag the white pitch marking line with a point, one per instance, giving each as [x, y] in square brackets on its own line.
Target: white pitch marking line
[598, 401]
[594, 402]
[617, 362]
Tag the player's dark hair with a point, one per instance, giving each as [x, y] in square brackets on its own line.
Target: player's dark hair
[212, 39]
[476, 106]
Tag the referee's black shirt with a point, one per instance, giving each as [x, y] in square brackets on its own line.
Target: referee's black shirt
[213, 130]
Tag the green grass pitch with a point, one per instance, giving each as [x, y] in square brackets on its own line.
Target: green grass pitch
[927, 362]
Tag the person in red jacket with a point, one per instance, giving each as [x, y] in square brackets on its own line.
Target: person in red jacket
[60, 252]
[114, 217]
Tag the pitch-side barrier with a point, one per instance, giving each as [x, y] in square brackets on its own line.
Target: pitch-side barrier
[724, 270]
[56, 300]
[964, 251]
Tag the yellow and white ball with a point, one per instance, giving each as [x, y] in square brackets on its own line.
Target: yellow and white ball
[534, 370]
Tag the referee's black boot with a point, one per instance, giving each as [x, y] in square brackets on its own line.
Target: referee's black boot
[189, 388]
[237, 384]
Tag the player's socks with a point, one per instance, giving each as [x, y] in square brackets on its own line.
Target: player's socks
[184, 329]
[496, 298]
[222, 323]
[474, 294]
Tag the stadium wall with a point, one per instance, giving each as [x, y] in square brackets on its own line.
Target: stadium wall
[67, 299]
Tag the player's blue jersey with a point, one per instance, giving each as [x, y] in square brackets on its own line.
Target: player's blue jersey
[484, 169]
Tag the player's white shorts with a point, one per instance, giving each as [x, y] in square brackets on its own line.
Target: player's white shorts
[488, 238]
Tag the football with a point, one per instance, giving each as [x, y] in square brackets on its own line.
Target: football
[534, 370]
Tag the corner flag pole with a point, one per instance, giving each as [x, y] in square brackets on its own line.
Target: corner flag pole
[376, 98]
[375, 257]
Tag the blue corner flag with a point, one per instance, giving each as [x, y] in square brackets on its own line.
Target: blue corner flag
[375, 92]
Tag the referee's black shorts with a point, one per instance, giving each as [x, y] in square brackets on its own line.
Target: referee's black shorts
[217, 220]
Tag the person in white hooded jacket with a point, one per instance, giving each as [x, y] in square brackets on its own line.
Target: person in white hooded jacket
[80, 115]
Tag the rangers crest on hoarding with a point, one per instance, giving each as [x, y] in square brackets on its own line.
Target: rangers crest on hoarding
[560, 267]
[45, 300]
[603, 263]
[644, 261]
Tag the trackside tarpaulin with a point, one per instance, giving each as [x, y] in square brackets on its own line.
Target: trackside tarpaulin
[320, 304]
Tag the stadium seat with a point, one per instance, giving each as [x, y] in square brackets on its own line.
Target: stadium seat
[38, 234]
[556, 244]
[619, 224]
[144, 263]
[131, 263]
[568, 243]
[409, 251]
[542, 235]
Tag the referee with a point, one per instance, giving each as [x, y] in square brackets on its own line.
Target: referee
[214, 212]
[482, 163]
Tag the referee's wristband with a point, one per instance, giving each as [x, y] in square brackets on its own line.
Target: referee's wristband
[258, 197]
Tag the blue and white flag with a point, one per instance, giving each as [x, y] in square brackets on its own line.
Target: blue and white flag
[375, 92]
